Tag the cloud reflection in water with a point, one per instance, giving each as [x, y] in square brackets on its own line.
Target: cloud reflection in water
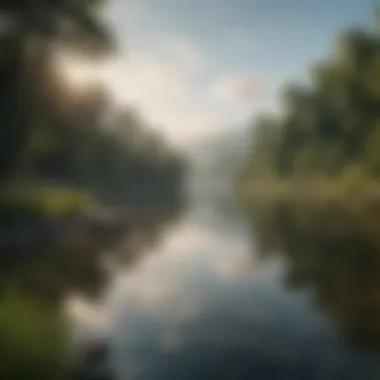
[202, 308]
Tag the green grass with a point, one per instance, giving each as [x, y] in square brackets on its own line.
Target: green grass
[310, 190]
[23, 202]
[33, 340]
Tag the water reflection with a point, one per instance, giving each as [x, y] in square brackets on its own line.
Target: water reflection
[335, 251]
[204, 307]
[78, 256]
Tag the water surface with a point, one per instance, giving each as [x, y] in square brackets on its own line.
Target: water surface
[205, 304]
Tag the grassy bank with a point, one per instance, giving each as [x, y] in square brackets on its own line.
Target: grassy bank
[24, 202]
[291, 210]
[313, 191]
[33, 341]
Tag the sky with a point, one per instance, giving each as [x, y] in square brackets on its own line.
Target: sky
[199, 68]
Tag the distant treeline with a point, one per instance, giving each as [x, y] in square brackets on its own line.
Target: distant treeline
[329, 127]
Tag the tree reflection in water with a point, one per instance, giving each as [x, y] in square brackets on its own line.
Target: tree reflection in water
[82, 260]
[332, 248]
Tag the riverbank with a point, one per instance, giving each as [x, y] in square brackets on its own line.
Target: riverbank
[23, 201]
[51, 242]
[314, 205]
[320, 191]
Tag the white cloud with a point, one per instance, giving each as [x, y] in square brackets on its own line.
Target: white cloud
[162, 85]
[145, 81]
[237, 89]
[186, 125]
[162, 73]
[162, 79]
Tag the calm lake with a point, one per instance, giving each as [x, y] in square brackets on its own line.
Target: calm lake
[205, 303]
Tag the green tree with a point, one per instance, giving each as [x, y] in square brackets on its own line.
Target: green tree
[330, 123]
[30, 34]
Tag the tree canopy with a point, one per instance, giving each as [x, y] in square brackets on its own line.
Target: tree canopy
[330, 126]
[51, 132]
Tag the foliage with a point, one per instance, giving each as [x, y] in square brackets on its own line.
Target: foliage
[32, 32]
[54, 132]
[311, 180]
[121, 161]
[57, 132]
[330, 127]
[333, 249]
[22, 203]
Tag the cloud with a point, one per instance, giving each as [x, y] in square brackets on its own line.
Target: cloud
[163, 81]
[164, 73]
[145, 81]
[237, 89]
[163, 87]
[159, 80]
[186, 125]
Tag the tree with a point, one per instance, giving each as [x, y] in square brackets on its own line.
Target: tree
[32, 31]
[330, 124]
